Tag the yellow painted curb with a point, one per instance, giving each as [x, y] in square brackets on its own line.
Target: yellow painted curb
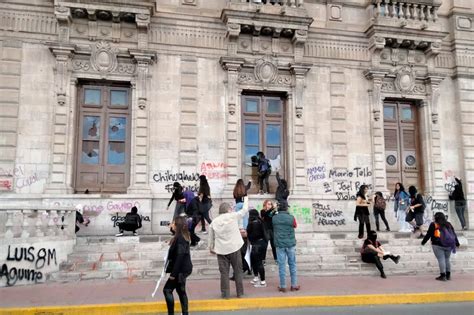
[249, 303]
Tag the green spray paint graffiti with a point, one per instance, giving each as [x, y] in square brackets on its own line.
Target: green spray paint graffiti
[303, 215]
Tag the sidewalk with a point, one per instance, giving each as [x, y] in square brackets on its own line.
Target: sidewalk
[124, 297]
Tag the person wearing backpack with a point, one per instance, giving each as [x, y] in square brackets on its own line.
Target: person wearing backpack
[263, 171]
[444, 241]
[416, 210]
[402, 202]
[379, 210]
[258, 238]
[459, 202]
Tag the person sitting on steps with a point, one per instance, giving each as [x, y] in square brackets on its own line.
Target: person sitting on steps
[132, 222]
[372, 251]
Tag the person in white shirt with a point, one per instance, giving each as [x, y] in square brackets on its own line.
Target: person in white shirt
[225, 240]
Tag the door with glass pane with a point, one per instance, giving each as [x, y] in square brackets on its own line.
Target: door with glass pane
[402, 145]
[262, 124]
[103, 159]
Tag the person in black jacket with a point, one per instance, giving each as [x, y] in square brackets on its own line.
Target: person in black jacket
[178, 196]
[266, 214]
[132, 222]
[416, 210]
[263, 170]
[194, 211]
[256, 235]
[282, 191]
[206, 201]
[440, 250]
[179, 266]
[459, 202]
[372, 251]
[362, 210]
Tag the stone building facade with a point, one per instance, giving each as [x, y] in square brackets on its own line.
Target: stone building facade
[107, 103]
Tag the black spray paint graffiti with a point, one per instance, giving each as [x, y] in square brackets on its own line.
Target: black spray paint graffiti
[168, 177]
[324, 215]
[347, 190]
[435, 205]
[43, 257]
[117, 219]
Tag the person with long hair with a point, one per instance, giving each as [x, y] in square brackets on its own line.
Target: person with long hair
[379, 210]
[444, 241]
[402, 202]
[372, 251]
[416, 210]
[240, 191]
[263, 170]
[362, 210]
[267, 213]
[178, 196]
[179, 266]
[206, 201]
[459, 202]
[256, 234]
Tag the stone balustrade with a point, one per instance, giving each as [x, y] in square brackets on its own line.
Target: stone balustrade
[288, 3]
[24, 222]
[416, 10]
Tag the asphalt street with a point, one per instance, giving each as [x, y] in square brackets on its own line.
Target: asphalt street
[416, 309]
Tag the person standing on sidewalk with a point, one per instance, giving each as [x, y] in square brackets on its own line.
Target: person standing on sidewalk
[362, 210]
[372, 251]
[179, 266]
[416, 210]
[379, 210]
[256, 234]
[444, 242]
[284, 225]
[402, 202]
[240, 191]
[205, 194]
[226, 241]
[267, 213]
[178, 196]
[459, 202]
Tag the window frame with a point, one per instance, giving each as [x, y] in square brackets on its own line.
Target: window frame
[105, 111]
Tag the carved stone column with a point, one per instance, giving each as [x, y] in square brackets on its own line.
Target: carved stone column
[58, 179]
[295, 131]
[143, 22]
[299, 40]
[233, 157]
[376, 45]
[233, 31]
[434, 136]
[378, 140]
[63, 15]
[139, 179]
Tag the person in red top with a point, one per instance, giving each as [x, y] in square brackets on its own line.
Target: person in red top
[372, 251]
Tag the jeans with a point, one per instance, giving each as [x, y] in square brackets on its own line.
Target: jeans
[205, 215]
[443, 254]
[178, 209]
[256, 258]
[380, 212]
[460, 206]
[224, 261]
[180, 287]
[282, 254]
[404, 226]
[363, 219]
[263, 177]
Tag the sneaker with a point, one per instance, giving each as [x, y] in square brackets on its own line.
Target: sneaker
[204, 232]
[255, 280]
[135, 234]
[383, 276]
[260, 192]
[119, 234]
[261, 284]
[295, 288]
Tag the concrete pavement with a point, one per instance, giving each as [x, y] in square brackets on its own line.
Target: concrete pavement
[125, 297]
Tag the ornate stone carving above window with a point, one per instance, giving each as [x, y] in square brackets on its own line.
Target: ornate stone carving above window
[405, 79]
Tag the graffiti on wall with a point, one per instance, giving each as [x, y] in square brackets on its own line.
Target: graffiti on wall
[325, 215]
[22, 180]
[38, 259]
[117, 219]
[189, 181]
[214, 170]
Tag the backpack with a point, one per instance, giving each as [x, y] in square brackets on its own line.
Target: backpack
[380, 203]
[446, 237]
[264, 166]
